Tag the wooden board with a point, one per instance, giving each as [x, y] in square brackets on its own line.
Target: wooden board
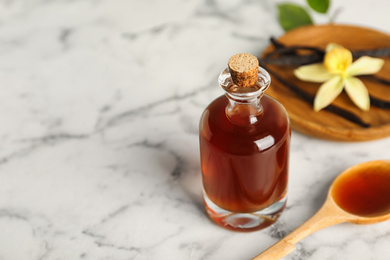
[324, 124]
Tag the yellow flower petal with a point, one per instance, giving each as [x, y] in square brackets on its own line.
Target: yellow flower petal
[313, 72]
[357, 92]
[328, 92]
[337, 60]
[365, 65]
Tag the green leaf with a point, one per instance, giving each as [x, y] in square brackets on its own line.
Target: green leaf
[320, 6]
[292, 16]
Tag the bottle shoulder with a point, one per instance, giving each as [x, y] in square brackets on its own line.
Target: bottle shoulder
[274, 118]
[272, 129]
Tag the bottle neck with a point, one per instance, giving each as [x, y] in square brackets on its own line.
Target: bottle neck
[244, 107]
[244, 112]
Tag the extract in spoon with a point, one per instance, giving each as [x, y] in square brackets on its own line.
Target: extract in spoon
[364, 193]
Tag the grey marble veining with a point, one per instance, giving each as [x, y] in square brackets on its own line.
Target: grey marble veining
[99, 109]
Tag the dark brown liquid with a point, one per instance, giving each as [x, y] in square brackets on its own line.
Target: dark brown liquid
[365, 193]
[245, 168]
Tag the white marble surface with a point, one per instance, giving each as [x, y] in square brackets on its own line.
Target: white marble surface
[99, 110]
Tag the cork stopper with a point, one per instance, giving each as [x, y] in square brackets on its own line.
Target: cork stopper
[244, 69]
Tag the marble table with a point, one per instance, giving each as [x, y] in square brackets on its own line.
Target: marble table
[99, 109]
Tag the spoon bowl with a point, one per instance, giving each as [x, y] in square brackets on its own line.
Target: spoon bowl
[359, 195]
[363, 192]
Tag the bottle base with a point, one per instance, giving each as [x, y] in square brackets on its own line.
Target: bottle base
[245, 221]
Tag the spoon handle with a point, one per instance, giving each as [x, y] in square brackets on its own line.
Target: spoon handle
[277, 251]
[327, 216]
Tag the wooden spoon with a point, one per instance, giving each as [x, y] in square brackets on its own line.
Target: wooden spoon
[371, 179]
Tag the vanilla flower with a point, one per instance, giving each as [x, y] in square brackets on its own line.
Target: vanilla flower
[337, 72]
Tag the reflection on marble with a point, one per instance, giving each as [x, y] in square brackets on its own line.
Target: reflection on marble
[99, 110]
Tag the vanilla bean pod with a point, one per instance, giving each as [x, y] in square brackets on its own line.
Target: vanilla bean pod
[379, 79]
[287, 55]
[376, 101]
[309, 99]
[298, 91]
[276, 44]
[283, 55]
[381, 52]
[379, 103]
[297, 60]
[291, 50]
[282, 48]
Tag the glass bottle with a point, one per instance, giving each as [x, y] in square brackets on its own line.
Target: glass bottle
[244, 146]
